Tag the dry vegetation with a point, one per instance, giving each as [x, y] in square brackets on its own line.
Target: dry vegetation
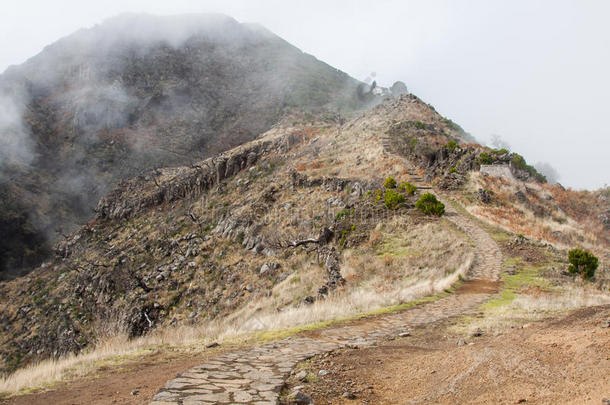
[217, 293]
[564, 217]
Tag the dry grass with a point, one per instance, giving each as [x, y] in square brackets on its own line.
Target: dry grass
[377, 278]
[566, 218]
[529, 307]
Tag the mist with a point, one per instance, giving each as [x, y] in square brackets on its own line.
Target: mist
[135, 93]
[533, 71]
[16, 148]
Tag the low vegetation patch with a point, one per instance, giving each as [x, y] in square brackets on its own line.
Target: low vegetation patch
[407, 188]
[429, 205]
[582, 262]
[389, 182]
[393, 200]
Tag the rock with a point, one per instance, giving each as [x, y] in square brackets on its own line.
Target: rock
[269, 268]
[404, 334]
[399, 88]
[135, 392]
[301, 375]
[348, 395]
[461, 343]
[477, 333]
[299, 398]
[309, 300]
[484, 196]
[323, 373]
[212, 345]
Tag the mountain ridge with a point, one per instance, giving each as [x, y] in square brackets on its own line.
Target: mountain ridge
[139, 92]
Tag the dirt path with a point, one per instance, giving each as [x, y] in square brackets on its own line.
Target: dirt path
[256, 376]
[558, 361]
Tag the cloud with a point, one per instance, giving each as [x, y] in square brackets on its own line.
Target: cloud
[551, 174]
[16, 146]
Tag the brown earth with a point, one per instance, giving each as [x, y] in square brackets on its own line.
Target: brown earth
[564, 360]
[114, 385]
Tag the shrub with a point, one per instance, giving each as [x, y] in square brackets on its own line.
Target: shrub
[485, 158]
[407, 188]
[582, 262]
[429, 205]
[451, 145]
[344, 213]
[453, 170]
[390, 182]
[393, 199]
[377, 195]
[452, 125]
[419, 125]
[519, 163]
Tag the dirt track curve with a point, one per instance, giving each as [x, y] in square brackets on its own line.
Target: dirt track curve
[256, 376]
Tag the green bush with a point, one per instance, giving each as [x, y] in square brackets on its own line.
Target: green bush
[451, 145]
[452, 125]
[344, 213]
[485, 158]
[582, 262]
[407, 188]
[377, 195]
[390, 182]
[453, 170]
[419, 125]
[519, 163]
[429, 205]
[393, 199]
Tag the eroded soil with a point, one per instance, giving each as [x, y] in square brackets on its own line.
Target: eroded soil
[564, 360]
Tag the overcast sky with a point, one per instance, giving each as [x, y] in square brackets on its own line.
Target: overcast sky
[536, 73]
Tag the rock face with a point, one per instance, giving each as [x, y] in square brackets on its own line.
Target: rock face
[134, 195]
[140, 92]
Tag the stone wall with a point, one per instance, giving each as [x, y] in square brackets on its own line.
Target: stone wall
[497, 171]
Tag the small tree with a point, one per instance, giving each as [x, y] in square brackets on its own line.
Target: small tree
[582, 262]
[390, 182]
[429, 205]
[407, 188]
[393, 199]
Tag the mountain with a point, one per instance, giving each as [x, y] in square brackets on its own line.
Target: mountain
[245, 239]
[134, 93]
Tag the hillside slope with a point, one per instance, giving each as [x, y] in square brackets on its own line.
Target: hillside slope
[247, 239]
[135, 93]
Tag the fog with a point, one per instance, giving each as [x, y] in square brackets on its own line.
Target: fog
[531, 73]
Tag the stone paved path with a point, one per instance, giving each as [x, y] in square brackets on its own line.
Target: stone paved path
[256, 376]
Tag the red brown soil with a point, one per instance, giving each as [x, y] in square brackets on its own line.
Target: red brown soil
[554, 361]
[112, 385]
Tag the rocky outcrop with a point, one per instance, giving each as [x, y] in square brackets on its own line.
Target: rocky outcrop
[333, 271]
[135, 195]
[357, 187]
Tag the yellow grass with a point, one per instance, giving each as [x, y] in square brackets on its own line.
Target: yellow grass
[372, 287]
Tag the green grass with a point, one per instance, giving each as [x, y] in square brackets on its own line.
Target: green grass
[395, 247]
[525, 276]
